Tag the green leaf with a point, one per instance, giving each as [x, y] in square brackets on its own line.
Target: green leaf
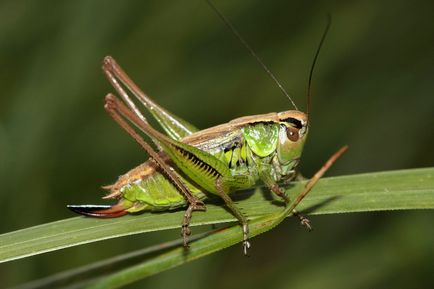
[406, 189]
[409, 189]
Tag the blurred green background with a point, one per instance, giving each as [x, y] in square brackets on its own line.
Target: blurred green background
[373, 90]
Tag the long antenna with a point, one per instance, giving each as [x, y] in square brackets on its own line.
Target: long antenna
[252, 52]
[309, 85]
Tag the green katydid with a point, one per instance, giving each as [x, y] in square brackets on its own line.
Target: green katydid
[189, 164]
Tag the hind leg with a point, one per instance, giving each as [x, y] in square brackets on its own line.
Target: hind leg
[185, 229]
[119, 112]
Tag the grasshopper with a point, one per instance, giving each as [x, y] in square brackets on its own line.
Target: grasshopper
[187, 165]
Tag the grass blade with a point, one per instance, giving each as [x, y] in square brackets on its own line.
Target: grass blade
[79, 277]
[405, 189]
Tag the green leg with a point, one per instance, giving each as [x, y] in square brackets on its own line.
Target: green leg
[222, 189]
[273, 186]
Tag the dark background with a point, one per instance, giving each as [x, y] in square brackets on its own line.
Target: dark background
[373, 90]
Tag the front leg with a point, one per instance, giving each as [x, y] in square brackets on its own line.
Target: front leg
[276, 189]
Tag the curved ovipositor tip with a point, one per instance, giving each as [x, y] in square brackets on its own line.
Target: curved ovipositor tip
[99, 211]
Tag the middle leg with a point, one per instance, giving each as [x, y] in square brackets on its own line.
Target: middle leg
[222, 191]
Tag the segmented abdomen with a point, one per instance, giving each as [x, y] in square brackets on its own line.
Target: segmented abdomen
[145, 188]
[155, 193]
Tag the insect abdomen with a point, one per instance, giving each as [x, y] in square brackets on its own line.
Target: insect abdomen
[155, 193]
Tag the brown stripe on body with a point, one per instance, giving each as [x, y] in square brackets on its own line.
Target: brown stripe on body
[227, 133]
[138, 173]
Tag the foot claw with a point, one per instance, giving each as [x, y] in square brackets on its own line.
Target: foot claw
[305, 222]
[246, 246]
[185, 232]
[246, 243]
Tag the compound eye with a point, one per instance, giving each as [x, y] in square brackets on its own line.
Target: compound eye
[292, 134]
